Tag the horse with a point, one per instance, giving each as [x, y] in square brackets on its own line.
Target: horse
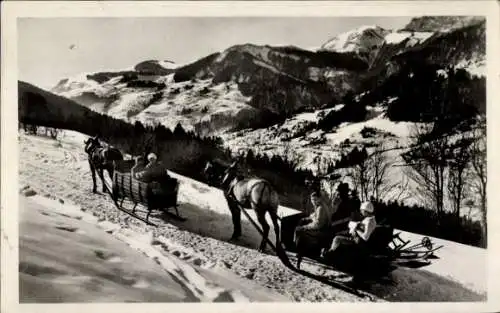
[254, 193]
[214, 172]
[101, 158]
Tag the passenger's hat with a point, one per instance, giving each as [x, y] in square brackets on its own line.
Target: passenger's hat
[367, 206]
[343, 187]
[152, 156]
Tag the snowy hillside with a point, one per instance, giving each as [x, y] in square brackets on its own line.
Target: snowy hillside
[296, 133]
[272, 99]
[314, 149]
[144, 273]
[190, 103]
[58, 169]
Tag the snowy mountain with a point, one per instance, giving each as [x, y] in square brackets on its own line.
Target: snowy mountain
[257, 95]
[255, 86]
[360, 89]
[364, 41]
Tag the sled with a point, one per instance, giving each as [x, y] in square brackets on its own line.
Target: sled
[384, 252]
[155, 196]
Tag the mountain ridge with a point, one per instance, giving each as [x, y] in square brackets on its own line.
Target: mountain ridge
[276, 82]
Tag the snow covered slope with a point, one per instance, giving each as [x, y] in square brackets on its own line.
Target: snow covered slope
[60, 170]
[107, 263]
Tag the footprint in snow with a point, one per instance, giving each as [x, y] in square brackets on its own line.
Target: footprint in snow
[224, 296]
[107, 256]
[77, 217]
[114, 259]
[70, 229]
[141, 284]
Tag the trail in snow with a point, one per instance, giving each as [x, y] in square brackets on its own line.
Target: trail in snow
[44, 166]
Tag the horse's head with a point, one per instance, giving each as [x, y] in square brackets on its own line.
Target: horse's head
[91, 144]
[213, 173]
[209, 173]
[208, 167]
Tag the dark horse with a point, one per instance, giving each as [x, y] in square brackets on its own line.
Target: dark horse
[242, 193]
[100, 159]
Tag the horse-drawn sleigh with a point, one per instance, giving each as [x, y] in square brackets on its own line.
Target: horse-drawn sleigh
[384, 251]
[155, 196]
[160, 194]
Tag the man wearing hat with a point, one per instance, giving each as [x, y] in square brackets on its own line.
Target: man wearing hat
[153, 170]
[344, 208]
[359, 232]
[317, 223]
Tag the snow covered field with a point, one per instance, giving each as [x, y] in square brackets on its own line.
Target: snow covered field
[70, 256]
[59, 170]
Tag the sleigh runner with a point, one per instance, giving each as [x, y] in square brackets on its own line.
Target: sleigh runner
[155, 196]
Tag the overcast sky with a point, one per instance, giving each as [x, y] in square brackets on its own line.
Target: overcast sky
[119, 43]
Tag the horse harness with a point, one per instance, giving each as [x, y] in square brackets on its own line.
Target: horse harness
[95, 154]
[231, 195]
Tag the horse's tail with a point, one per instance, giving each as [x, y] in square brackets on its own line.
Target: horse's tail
[273, 199]
[268, 197]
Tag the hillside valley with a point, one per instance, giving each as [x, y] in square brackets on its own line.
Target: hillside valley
[363, 89]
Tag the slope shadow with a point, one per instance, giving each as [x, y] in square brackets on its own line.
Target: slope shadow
[212, 224]
[406, 283]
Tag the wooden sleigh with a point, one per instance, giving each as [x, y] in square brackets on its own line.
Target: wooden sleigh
[155, 196]
[385, 250]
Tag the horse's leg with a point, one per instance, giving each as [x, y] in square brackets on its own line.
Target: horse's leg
[236, 215]
[92, 171]
[299, 261]
[298, 245]
[110, 172]
[100, 171]
[274, 218]
[261, 216]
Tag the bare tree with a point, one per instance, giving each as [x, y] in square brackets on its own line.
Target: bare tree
[460, 157]
[379, 183]
[290, 155]
[403, 187]
[479, 172]
[428, 161]
[370, 175]
[360, 176]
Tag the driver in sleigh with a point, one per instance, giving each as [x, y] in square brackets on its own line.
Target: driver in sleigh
[153, 172]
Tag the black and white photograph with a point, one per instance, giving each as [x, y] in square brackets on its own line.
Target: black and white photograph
[204, 158]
